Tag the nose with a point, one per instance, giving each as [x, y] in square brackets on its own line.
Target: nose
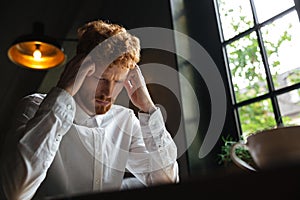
[107, 87]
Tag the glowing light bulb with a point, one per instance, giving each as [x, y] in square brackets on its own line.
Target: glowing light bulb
[37, 55]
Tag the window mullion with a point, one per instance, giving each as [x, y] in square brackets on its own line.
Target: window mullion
[269, 79]
[228, 72]
[297, 5]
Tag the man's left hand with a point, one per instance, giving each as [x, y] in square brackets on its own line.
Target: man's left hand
[137, 90]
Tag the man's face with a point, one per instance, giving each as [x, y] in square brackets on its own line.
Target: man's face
[100, 90]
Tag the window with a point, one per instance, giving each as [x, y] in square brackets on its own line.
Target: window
[261, 45]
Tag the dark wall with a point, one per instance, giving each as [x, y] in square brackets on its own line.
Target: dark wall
[17, 18]
[202, 26]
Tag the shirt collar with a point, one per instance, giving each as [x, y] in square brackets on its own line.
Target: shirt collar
[82, 118]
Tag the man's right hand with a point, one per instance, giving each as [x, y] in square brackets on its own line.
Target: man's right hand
[75, 73]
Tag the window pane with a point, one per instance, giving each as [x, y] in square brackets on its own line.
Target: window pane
[257, 116]
[236, 16]
[247, 71]
[266, 9]
[282, 42]
[289, 104]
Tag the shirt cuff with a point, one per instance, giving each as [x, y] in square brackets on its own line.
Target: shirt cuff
[61, 103]
[154, 122]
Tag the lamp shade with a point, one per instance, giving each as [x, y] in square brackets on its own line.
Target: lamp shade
[36, 51]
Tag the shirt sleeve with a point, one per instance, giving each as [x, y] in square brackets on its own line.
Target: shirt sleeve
[153, 156]
[40, 123]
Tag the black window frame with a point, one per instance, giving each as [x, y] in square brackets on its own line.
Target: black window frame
[272, 93]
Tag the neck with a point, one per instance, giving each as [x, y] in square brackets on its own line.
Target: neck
[80, 103]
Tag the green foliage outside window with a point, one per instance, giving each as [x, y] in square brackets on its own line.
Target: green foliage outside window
[249, 81]
[248, 74]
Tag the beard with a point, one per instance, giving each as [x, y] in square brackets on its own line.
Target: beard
[99, 110]
[94, 105]
[102, 108]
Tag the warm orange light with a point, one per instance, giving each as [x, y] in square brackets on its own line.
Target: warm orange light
[36, 55]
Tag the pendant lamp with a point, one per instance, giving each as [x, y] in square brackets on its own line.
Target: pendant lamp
[36, 50]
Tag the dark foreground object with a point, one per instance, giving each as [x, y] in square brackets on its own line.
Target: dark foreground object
[280, 183]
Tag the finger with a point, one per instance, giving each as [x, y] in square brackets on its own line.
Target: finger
[137, 81]
[132, 86]
[128, 87]
[87, 68]
[76, 60]
[77, 69]
[71, 68]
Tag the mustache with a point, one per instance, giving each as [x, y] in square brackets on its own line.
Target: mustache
[103, 98]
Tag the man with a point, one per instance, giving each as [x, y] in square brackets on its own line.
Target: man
[75, 139]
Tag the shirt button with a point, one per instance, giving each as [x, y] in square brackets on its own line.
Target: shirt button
[46, 164]
[69, 107]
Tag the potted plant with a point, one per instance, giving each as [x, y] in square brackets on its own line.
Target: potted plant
[224, 155]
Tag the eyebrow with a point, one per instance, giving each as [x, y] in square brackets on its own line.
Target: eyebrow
[99, 78]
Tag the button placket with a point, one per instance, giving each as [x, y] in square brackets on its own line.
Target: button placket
[98, 166]
[58, 137]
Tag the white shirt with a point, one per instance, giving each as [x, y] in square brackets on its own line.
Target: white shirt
[55, 148]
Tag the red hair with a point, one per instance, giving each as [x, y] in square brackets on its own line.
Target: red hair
[120, 42]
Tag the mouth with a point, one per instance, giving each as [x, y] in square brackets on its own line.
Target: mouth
[102, 102]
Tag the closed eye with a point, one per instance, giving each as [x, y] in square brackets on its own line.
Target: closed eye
[99, 78]
[119, 81]
[104, 79]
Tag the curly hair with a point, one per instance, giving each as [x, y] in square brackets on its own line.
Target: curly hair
[112, 41]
